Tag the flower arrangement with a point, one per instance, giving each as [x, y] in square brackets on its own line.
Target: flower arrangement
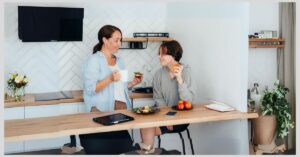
[16, 84]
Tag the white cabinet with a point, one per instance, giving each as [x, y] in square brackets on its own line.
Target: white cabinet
[14, 113]
[13, 147]
[42, 111]
[43, 144]
[81, 107]
[49, 111]
[69, 108]
[9, 114]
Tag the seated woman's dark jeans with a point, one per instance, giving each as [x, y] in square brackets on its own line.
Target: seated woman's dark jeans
[176, 128]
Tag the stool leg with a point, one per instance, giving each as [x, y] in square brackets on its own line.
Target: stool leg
[182, 140]
[73, 141]
[158, 141]
[192, 147]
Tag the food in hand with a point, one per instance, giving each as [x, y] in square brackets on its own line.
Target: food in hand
[138, 75]
[183, 104]
[175, 67]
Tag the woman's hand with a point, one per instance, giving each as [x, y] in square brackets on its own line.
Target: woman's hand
[115, 76]
[178, 74]
[134, 82]
[94, 109]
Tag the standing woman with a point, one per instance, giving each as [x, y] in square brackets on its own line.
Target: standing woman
[104, 91]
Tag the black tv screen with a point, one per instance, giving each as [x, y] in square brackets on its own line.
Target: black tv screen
[42, 24]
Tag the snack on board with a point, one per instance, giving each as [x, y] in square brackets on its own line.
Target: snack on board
[145, 110]
[138, 75]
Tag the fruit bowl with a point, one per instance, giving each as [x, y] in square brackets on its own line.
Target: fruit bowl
[145, 110]
[184, 109]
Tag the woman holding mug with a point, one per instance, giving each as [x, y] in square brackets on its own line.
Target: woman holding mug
[104, 91]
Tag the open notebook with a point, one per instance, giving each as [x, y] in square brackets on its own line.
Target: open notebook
[219, 106]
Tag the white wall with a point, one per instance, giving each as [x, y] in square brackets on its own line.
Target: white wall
[214, 39]
[54, 66]
[263, 61]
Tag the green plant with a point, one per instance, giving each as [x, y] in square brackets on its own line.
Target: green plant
[275, 103]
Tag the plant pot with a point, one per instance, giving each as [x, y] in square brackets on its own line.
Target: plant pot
[264, 129]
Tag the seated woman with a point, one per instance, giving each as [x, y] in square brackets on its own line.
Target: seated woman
[171, 83]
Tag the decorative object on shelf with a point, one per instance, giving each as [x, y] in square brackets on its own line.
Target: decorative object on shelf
[275, 119]
[251, 105]
[140, 39]
[267, 34]
[150, 34]
[256, 97]
[137, 45]
[16, 84]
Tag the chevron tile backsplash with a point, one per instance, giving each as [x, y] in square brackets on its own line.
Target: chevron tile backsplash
[54, 66]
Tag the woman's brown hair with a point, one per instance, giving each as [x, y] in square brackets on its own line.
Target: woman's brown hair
[106, 32]
[172, 48]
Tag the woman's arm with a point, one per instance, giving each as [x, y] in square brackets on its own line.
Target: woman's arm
[134, 82]
[115, 76]
[185, 86]
[157, 91]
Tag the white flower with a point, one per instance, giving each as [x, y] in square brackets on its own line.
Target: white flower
[19, 78]
[25, 80]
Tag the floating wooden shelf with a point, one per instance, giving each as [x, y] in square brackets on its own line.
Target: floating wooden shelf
[266, 43]
[150, 39]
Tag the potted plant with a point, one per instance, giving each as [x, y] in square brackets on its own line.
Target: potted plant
[275, 116]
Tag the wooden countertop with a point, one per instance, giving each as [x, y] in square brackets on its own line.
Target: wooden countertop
[29, 100]
[73, 124]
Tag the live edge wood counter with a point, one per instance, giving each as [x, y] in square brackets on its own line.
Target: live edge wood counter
[73, 124]
[28, 99]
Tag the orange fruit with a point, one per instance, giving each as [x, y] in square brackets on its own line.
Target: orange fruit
[187, 105]
[175, 67]
[180, 106]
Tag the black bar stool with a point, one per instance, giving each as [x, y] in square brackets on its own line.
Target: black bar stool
[182, 140]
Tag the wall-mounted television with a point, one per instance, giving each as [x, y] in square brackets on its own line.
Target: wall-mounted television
[44, 24]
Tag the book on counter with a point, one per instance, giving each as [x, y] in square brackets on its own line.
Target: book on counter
[219, 106]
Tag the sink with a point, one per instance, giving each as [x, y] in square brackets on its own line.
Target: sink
[142, 90]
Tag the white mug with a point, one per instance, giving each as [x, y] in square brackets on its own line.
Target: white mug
[124, 75]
